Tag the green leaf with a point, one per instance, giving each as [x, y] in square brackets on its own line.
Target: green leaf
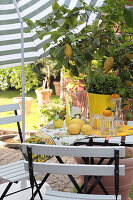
[55, 35]
[68, 66]
[39, 23]
[128, 15]
[62, 29]
[43, 34]
[55, 6]
[88, 69]
[55, 25]
[65, 62]
[88, 55]
[124, 75]
[29, 23]
[97, 41]
[27, 30]
[52, 52]
[60, 53]
[121, 90]
[81, 37]
[82, 70]
[58, 66]
[38, 32]
[128, 115]
[131, 94]
[72, 38]
[57, 116]
[63, 9]
[124, 45]
[45, 46]
[72, 21]
[75, 71]
[91, 49]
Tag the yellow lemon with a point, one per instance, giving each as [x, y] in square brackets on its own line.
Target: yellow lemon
[68, 51]
[108, 64]
[74, 129]
[58, 123]
[76, 121]
[103, 40]
[128, 83]
[86, 129]
[67, 120]
[129, 56]
[127, 106]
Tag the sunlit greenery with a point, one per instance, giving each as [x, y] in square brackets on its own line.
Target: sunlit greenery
[34, 119]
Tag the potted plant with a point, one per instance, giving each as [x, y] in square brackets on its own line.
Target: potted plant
[57, 87]
[45, 68]
[28, 102]
[43, 93]
[100, 88]
[49, 110]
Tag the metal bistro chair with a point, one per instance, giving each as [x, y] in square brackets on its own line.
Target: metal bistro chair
[88, 170]
[12, 172]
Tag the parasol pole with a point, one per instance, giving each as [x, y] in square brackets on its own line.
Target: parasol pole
[22, 67]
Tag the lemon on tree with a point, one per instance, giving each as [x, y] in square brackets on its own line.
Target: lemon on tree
[68, 51]
[128, 83]
[129, 56]
[58, 121]
[108, 64]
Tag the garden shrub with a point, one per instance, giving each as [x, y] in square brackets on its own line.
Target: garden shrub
[5, 75]
[34, 75]
[49, 110]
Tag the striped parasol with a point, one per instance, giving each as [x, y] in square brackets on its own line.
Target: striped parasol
[18, 47]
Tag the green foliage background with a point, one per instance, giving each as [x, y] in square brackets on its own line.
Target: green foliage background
[34, 75]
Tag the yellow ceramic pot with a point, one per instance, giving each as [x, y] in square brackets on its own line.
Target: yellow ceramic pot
[98, 103]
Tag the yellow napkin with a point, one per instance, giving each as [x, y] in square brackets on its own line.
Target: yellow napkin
[125, 130]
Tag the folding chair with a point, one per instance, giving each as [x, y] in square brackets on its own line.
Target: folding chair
[11, 119]
[88, 170]
[13, 172]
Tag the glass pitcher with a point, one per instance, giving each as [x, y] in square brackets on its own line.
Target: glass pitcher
[77, 103]
[118, 116]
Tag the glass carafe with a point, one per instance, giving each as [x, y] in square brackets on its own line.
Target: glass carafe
[77, 103]
[118, 116]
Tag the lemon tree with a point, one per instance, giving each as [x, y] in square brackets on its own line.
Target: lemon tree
[108, 36]
[106, 44]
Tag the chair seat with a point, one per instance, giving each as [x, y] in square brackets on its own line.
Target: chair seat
[13, 172]
[57, 195]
